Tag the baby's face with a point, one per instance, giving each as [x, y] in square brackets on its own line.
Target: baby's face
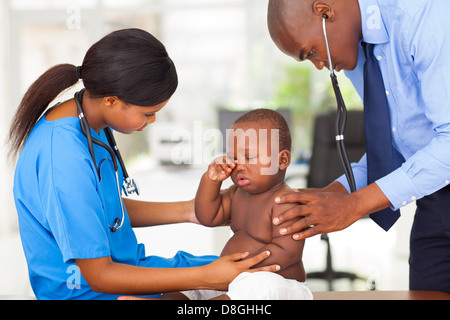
[256, 148]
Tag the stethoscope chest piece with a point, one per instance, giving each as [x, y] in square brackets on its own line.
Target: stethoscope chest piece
[130, 186]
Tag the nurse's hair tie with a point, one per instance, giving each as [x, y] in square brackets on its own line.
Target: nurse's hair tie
[78, 70]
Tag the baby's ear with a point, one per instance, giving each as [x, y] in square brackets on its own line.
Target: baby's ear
[284, 159]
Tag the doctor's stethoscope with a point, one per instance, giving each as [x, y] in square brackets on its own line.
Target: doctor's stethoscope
[129, 185]
[341, 120]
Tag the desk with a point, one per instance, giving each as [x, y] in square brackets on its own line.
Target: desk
[381, 295]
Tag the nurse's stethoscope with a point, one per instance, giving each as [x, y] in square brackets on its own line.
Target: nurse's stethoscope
[341, 120]
[129, 185]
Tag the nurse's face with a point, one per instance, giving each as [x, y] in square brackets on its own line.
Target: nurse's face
[127, 118]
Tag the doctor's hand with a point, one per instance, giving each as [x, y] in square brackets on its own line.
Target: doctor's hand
[328, 210]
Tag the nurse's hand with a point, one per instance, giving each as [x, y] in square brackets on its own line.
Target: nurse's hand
[222, 271]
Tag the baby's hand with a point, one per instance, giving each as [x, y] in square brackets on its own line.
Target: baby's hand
[221, 168]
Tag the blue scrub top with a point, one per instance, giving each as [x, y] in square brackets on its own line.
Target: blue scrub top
[65, 212]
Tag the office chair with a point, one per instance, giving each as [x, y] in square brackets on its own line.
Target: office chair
[325, 167]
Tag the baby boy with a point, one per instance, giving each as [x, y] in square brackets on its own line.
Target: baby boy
[258, 154]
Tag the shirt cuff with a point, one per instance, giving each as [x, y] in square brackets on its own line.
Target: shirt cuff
[399, 189]
[359, 173]
[343, 180]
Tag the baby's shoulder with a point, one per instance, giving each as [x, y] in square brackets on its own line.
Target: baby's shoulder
[286, 189]
[278, 209]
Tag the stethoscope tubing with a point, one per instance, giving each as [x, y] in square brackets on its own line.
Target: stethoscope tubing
[341, 120]
[114, 153]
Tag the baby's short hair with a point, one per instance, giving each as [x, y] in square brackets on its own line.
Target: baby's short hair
[277, 121]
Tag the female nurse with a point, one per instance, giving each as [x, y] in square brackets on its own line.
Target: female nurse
[66, 202]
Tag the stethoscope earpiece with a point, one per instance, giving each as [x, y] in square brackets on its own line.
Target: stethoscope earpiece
[325, 16]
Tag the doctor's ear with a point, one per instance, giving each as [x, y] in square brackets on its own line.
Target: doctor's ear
[323, 10]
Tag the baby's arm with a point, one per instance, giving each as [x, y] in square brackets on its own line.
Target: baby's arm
[212, 207]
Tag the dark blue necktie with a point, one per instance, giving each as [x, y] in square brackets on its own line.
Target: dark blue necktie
[379, 149]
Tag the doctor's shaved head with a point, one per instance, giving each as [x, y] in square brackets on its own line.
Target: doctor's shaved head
[295, 26]
[280, 11]
[286, 17]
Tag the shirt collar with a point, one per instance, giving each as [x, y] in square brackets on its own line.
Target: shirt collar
[373, 28]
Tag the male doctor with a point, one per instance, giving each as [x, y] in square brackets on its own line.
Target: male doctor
[397, 55]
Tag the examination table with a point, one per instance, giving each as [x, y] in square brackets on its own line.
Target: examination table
[381, 295]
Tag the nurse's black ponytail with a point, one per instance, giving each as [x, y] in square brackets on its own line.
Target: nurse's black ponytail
[130, 64]
[43, 91]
